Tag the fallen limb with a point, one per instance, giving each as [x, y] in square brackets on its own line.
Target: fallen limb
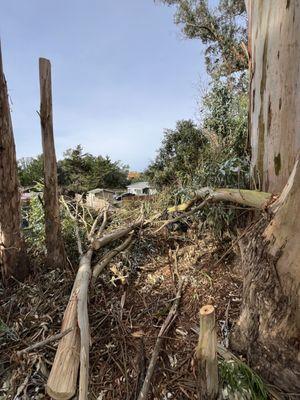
[163, 330]
[250, 198]
[184, 215]
[44, 342]
[111, 237]
[99, 267]
[73, 348]
[83, 322]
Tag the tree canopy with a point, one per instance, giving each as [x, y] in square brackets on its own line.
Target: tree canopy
[77, 171]
[179, 155]
[222, 29]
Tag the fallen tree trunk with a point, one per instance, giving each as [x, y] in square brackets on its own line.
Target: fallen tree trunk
[74, 347]
[249, 198]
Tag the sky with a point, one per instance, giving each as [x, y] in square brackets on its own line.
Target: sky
[121, 74]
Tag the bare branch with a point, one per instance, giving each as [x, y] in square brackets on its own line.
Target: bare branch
[45, 341]
[99, 267]
[163, 330]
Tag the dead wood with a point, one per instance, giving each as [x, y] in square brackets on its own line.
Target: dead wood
[183, 215]
[44, 342]
[99, 267]
[118, 234]
[56, 255]
[206, 354]
[163, 330]
[73, 349]
[250, 198]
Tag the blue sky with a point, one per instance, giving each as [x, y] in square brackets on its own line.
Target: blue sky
[121, 73]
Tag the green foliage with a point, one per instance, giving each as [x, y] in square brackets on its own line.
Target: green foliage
[79, 172]
[222, 29]
[225, 111]
[214, 154]
[31, 170]
[179, 156]
[35, 231]
[237, 377]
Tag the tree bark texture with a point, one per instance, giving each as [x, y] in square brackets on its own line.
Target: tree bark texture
[268, 331]
[13, 261]
[55, 249]
[274, 31]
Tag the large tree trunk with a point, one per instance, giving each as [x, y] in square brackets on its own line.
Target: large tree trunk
[13, 261]
[268, 331]
[55, 248]
[274, 31]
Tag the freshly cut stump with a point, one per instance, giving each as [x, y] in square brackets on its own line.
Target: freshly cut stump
[206, 354]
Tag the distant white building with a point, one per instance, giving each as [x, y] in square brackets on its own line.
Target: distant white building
[99, 198]
[141, 188]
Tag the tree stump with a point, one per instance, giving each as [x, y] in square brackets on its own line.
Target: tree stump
[206, 354]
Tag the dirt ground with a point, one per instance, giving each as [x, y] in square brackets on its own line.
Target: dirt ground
[127, 306]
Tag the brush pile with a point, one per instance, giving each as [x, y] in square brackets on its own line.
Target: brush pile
[130, 298]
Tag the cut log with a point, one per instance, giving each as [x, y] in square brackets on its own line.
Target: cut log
[74, 347]
[206, 354]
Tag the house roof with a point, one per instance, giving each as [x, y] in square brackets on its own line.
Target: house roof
[100, 191]
[139, 185]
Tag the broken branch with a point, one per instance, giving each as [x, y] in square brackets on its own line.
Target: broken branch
[163, 330]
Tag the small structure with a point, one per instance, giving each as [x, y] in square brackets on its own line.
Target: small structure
[141, 189]
[99, 198]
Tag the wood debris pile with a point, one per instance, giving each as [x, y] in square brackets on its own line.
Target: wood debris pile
[128, 304]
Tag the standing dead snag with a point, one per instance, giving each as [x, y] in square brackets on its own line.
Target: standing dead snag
[206, 354]
[55, 249]
[12, 250]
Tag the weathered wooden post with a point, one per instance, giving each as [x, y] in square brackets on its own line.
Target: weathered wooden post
[13, 260]
[55, 248]
[206, 354]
